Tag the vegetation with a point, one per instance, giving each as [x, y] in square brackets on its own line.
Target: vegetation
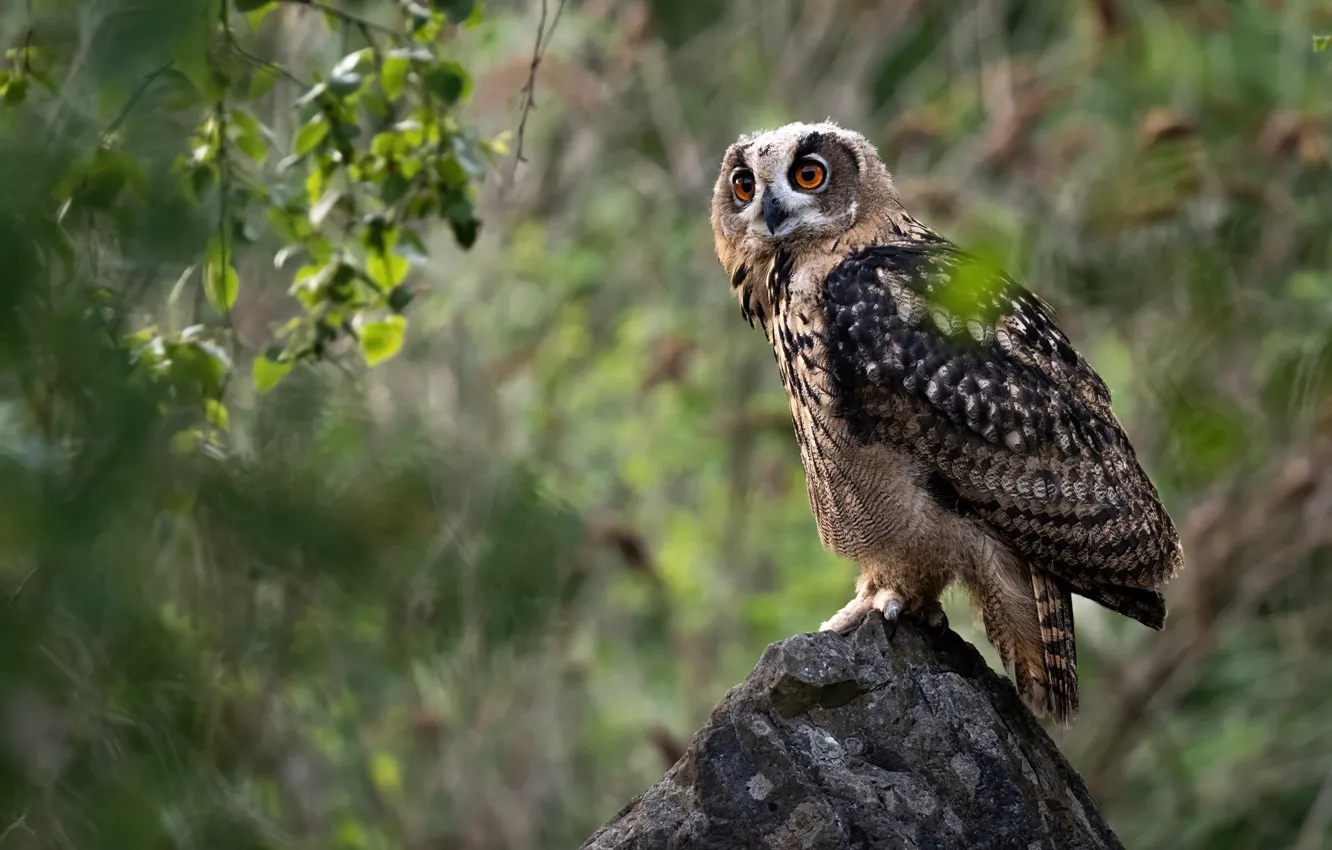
[365, 483]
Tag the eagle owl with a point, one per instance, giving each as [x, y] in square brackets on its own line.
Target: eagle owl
[948, 430]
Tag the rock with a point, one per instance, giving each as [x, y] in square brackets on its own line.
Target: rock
[850, 741]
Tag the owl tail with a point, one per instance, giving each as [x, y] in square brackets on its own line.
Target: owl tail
[1054, 610]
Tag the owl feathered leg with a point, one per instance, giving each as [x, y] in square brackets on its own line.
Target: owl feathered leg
[852, 613]
[871, 596]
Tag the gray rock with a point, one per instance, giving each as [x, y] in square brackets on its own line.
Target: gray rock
[852, 742]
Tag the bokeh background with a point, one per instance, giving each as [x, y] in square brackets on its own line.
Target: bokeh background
[482, 595]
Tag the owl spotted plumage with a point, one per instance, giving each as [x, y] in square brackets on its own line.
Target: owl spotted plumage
[948, 429]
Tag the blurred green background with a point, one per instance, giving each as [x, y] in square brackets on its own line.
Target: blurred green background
[482, 594]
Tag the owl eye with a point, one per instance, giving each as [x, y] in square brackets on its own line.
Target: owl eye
[742, 183]
[809, 174]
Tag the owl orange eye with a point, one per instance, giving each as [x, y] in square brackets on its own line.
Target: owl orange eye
[742, 183]
[809, 174]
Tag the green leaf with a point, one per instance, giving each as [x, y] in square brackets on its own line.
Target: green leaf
[217, 414]
[221, 285]
[184, 442]
[381, 340]
[267, 373]
[387, 269]
[420, 15]
[262, 82]
[378, 234]
[399, 298]
[197, 365]
[375, 103]
[312, 95]
[249, 137]
[465, 231]
[189, 51]
[448, 81]
[469, 156]
[256, 18]
[251, 5]
[1321, 42]
[463, 221]
[202, 178]
[291, 227]
[284, 254]
[357, 60]
[348, 74]
[310, 135]
[345, 84]
[98, 182]
[386, 773]
[393, 77]
[16, 90]
[324, 206]
[456, 10]
[393, 188]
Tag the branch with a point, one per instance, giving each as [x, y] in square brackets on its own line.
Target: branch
[260, 62]
[133, 99]
[21, 823]
[543, 38]
[345, 16]
[851, 741]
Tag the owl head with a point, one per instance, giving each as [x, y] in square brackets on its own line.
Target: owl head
[798, 185]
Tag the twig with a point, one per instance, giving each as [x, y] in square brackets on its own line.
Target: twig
[133, 99]
[225, 260]
[13, 597]
[543, 38]
[378, 58]
[21, 823]
[261, 62]
[1320, 813]
[345, 16]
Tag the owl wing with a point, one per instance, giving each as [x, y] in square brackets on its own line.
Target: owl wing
[967, 372]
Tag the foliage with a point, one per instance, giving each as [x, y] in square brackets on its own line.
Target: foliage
[376, 149]
[195, 602]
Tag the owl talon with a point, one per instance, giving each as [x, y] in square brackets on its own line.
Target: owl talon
[931, 626]
[938, 624]
[932, 619]
[892, 611]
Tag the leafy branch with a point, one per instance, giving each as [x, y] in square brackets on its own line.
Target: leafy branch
[378, 153]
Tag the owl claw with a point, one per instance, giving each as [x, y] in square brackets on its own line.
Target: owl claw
[892, 610]
[932, 618]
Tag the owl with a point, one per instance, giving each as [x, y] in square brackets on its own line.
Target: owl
[948, 430]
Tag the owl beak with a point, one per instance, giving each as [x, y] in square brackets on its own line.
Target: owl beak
[773, 213]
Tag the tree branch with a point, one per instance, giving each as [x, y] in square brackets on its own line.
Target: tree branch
[132, 100]
[345, 16]
[543, 37]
